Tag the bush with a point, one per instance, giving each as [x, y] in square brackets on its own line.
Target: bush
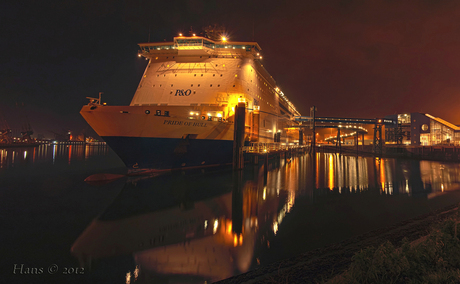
[434, 260]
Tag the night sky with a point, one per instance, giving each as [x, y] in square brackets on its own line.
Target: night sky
[349, 58]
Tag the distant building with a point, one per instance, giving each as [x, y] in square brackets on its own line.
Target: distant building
[422, 129]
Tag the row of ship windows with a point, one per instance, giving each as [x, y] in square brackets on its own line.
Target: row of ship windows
[257, 76]
[204, 64]
[213, 56]
[198, 65]
[199, 85]
[236, 75]
[166, 113]
[175, 75]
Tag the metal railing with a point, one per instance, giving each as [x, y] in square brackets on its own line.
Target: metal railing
[256, 147]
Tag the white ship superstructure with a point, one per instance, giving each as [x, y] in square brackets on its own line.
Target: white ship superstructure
[185, 105]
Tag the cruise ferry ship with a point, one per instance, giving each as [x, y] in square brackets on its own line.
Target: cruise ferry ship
[183, 110]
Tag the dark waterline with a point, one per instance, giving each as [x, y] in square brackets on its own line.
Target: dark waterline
[202, 225]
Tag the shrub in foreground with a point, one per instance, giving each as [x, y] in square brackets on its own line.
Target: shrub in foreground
[434, 260]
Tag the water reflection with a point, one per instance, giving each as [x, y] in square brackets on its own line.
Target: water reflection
[210, 225]
[338, 171]
[49, 152]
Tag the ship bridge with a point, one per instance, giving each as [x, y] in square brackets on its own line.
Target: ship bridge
[199, 44]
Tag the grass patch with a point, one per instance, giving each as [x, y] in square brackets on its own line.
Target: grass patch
[434, 260]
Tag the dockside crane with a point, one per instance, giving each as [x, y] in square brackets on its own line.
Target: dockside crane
[5, 132]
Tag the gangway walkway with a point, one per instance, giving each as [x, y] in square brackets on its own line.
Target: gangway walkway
[344, 123]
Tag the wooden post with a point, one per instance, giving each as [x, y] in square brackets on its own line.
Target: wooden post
[339, 140]
[313, 139]
[357, 150]
[238, 136]
[255, 124]
[266, 164]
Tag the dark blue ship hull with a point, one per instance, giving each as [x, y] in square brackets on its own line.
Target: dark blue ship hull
[170, 153]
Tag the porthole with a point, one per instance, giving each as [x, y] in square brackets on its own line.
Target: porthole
[147, 111]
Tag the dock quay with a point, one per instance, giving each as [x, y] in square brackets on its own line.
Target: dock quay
[256, 151]
[434, 153]
[256, 148]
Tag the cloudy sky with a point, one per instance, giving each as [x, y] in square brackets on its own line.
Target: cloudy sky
[349, 58]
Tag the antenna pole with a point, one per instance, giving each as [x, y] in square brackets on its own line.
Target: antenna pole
[149, 35]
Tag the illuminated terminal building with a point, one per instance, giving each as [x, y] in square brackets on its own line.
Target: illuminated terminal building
[422, 129]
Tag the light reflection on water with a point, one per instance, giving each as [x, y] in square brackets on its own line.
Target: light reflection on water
[197, 227]
[46, 153]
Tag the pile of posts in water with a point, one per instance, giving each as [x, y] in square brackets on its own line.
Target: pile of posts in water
[256, 151]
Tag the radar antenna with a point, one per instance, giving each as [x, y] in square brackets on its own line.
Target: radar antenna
[214, 32]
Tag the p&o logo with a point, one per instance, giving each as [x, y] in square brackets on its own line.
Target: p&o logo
[183, 92]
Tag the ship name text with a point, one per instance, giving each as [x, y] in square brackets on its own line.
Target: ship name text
[185, 123]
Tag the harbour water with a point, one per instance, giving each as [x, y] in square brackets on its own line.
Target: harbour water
[196, 226]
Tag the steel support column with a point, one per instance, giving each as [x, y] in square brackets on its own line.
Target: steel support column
[378, 143]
